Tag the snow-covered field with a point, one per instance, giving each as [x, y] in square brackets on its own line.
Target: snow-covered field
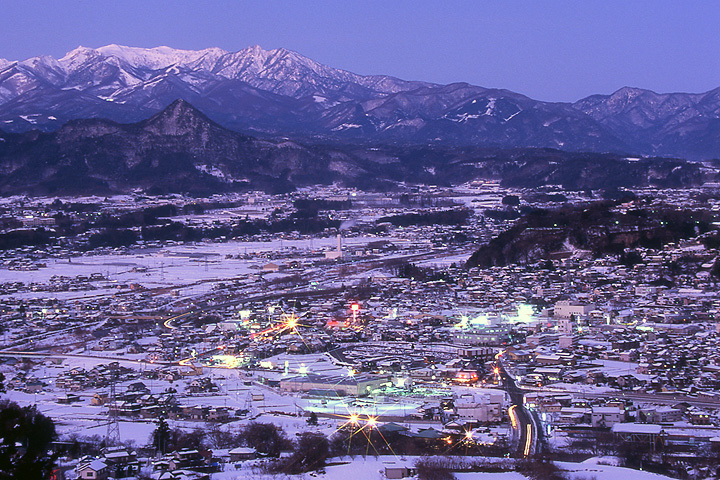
[174, 265]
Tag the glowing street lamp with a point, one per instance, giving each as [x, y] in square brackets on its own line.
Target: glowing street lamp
[354, 307]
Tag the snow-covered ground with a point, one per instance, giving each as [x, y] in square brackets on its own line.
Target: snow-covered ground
[172, 266]
[371, 468]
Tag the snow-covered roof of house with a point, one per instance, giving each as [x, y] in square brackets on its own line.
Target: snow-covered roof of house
[242, 451]
[96, 465]
[639, 428]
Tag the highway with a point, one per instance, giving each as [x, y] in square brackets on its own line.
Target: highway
[524, 423]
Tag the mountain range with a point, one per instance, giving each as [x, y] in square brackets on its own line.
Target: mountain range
[280, 93]
[180, 149]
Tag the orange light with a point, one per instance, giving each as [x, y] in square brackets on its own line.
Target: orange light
[511, 412]
[528, 439]
[371, 422]
[354, 307]
[354, 418]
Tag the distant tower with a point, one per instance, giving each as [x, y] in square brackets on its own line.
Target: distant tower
[113, 428]
[334, 255]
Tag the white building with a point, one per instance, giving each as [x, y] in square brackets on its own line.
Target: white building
[607, 416]
[482, 407]
[568, 308]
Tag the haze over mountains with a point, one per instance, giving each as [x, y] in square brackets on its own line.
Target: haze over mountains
[281, 93]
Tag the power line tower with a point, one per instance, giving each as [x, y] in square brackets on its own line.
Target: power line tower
[113, 427]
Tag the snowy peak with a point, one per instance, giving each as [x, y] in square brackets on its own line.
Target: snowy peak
[629, 93]
[281, 92]
[277, 64]
[148, 58]
[279, 71]
[75, 58]
[163, 57]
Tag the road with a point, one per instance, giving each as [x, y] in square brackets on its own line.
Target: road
[524, 423]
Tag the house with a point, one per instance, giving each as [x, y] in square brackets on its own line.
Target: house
[99, 399]
[121, 462]
[186, 459]
[398, 471]
[68, 399]
[518, 355]
[574, 415]
[34, 386]
[91, 469]
[240, 454]
[271, 267]
[548, 360]
[607, 416]
[661, 414]
[219, 414]
[138, 387]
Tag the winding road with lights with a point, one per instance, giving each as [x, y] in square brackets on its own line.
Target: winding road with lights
[525, 425]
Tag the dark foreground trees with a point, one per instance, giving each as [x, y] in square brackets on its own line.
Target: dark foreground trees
[25, 437]
[310, 452]
[266, 438]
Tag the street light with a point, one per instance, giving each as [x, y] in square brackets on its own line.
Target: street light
[354, 307]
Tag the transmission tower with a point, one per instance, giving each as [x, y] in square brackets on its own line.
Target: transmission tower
[113, 427]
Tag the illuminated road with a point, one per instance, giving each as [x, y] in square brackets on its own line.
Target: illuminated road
[524, 423]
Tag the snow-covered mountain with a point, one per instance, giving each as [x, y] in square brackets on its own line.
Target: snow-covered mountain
[282, 93]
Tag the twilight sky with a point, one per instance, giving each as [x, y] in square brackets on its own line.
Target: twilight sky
[547, 49]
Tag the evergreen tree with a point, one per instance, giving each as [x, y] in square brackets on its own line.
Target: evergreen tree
[25, 437]
[161, 435]
[313, 419]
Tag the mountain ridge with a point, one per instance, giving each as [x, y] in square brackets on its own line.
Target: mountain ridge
[280, 92]
[180, 149]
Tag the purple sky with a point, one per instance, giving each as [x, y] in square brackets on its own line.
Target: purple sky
[548, 50]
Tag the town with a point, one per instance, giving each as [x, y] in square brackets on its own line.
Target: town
[173, 337]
